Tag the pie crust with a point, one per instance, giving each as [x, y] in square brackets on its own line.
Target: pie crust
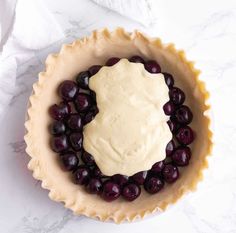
[79, 56]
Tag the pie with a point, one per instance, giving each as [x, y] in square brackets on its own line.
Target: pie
[118, 126]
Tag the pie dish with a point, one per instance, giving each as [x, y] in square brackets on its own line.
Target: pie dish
[78, 57]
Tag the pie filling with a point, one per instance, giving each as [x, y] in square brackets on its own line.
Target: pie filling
[130, 132]
[111, 146]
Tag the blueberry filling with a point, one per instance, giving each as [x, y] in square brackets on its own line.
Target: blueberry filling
[78, 107]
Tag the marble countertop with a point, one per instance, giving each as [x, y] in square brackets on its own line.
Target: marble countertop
[206, 31]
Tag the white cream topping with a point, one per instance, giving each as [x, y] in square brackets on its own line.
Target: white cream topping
[130, 133]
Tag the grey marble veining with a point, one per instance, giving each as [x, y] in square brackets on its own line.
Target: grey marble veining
[18, 147]
[29, 224]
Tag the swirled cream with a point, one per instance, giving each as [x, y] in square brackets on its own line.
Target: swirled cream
[130, 133]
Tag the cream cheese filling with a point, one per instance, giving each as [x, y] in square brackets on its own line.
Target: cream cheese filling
[130, 132]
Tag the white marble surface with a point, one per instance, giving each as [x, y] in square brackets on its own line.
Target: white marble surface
[207, 31]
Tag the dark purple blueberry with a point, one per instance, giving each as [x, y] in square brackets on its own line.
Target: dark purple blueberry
[85, 91]
[90, 115]
[67, 90]
[185, 135]
[170, 173]
[153, 184]
[82, 79]
[70, 161]
[82, 102]
[120, 179]
[74, 122]
[57, 128]
[93, 96]
[82, 175]
[59, 144]
[183, 115]
[169, 108]
[95, 109]
[181, 156]
[176, 95]
[152, 67]
[136, 59]
[139, 178]
[97, 172]
[173, 125]
[168, 79]
[59, 112]
[157, 168]
[112, 61]
[94, 69]
[94, 186]
[170, 147]
[111, 191]
[87, 158]
[76, 140]
[131, 191]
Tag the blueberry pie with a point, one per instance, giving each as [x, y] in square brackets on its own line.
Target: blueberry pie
[117, 126]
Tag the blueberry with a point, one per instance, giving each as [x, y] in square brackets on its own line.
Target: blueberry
[82, 175]
[131, 191]
[59, 144]
[76, 140]
[82, 102]
[67, 90]
[139, 178]
[136, 59]
[157, 168]
[94, 69]
[183, 115]
[153, 184]
[185, 135]
[87, 158]
[74, 122]
[112, 61]
[170, 147]
[170, 173]
[57, 128]
[176, 95]
[152, 67]
[173, 125]
[169, 108]
[168, 79]
[111, 191]
[59, 112]
[181, 156]
[97, 172]
[89, 116]
[82, 79]
[70, 161]
[94, 186]
[120, 179]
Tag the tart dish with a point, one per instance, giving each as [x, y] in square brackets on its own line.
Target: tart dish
[117, 126]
